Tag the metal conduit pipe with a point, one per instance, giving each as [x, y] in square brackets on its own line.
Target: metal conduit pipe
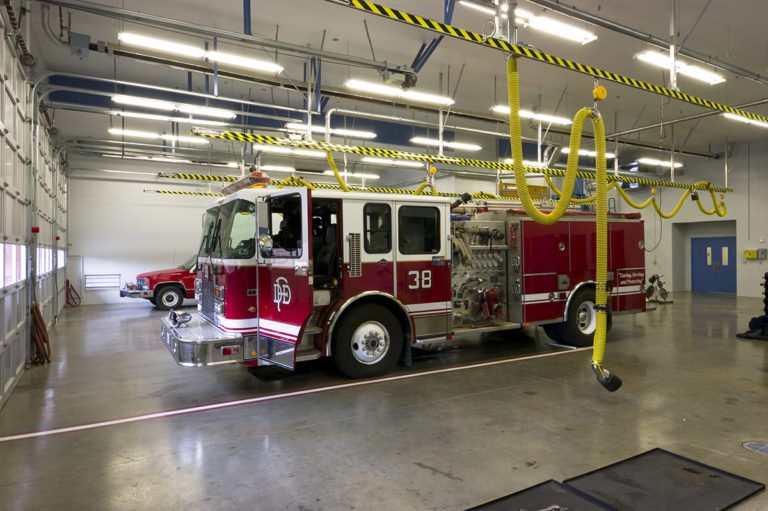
[192, 28]
[170, 90]
[573, 12]
[683, 119]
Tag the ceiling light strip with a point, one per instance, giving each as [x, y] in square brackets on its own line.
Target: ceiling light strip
[388, 153]
[533, 54]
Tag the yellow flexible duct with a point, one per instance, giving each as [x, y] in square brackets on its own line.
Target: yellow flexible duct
[293, 180]
[423, 185]
[335, 170]
[605, 377]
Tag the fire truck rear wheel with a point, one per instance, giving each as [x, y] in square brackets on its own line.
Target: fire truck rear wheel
[579, 329]
[368, 342]
[168, 298]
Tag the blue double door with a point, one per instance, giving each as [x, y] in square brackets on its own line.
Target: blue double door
[713, 264]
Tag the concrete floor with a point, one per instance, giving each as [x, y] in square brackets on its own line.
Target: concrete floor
[439, 441]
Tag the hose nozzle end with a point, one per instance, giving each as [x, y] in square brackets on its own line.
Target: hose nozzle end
[607, 379]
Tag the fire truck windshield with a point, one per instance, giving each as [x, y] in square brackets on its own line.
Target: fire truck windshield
[229, 231]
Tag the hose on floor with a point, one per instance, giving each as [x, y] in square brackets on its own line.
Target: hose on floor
[610, 381]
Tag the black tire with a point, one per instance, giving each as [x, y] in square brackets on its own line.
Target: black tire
[169, 297]
[368, 342]
[553, 331]
[152, 301]
[579, 329]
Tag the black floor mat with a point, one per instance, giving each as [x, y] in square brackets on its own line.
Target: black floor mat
[549, 495]
[658, 480]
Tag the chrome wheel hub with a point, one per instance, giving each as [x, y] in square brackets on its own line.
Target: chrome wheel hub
[586, 318]
[370, 342]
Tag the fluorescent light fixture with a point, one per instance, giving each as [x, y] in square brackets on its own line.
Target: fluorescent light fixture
[147, 158]
[554, 27]
[527, 114]
[393, 162]
[587, 152]
[353, 174]
[276, 168]
[396, 92]
[433, 142]
[526, 163]
[289, 151]
[185, 50]
[660, 163]
[662, 60]
[170, 106]
[155, 136]
[155, 117]
[188, 140]
[232, 165]
[245, 62]
[206, 110]
[745, 120]
[144, 102]
[297, 126]
[133, 133]
[542, 23]
[151, 43]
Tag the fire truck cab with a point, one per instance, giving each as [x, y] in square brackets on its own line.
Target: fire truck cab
[298, 274]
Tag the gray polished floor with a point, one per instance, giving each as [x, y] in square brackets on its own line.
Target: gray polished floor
[439, 441]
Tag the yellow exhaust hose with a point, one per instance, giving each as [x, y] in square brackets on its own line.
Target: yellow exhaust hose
[293, 180]
[605, 377]
[425, 185]
[718, 206]
[342, 184]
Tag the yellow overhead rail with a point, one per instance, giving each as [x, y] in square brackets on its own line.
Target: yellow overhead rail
[534, 54]
[430, 158]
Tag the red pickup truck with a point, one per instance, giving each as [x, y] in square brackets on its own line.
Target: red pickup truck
[166, 289]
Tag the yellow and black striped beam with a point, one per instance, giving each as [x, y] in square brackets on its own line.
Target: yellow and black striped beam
[534, 54]
[199, 177]
[429, 158]
[175, 192]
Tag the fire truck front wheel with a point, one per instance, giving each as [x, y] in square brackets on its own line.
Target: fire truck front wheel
[368, 342]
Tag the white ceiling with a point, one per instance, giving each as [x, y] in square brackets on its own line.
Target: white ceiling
[729, 31]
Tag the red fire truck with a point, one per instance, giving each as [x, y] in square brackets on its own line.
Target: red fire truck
[297, 274]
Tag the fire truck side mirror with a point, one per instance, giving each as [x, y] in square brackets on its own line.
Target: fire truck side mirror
[265, 245]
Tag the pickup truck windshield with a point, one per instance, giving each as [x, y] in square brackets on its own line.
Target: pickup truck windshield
[229, 231]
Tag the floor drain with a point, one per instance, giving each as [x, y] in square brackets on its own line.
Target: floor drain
[760, 447]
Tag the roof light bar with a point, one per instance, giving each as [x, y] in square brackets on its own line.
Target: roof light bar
[660, 163]
[392, 162]
[185, 50]
[587, 152]
[662, 60]
[432, 142]
[297, 126]
[396, 92]
[527, 114]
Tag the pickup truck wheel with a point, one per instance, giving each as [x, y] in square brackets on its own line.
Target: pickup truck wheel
[168, 298]
[368, 342]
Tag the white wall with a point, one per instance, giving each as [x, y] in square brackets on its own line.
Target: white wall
[118, 228]
[746, 218]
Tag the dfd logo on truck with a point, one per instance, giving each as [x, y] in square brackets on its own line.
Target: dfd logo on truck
[281, 292]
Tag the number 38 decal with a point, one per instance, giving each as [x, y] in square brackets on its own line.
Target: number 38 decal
[420, 279]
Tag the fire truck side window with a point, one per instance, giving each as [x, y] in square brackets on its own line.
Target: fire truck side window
[419, 229]
[377, 221]
[285, 226]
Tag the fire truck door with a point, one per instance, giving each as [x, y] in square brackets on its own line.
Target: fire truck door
[423, 269]
[368, 247]
[284, 277]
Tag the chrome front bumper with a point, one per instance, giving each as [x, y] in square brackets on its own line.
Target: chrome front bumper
[200, 343]
[137, 293]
